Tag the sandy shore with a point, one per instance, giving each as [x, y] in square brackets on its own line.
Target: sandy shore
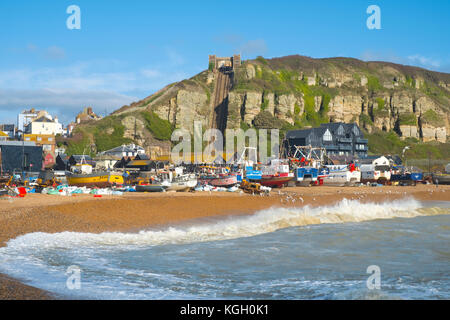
[137, 211]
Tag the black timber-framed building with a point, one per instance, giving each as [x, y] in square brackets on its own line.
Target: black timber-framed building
[338, 139]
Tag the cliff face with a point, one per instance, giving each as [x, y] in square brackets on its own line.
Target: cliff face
[302, 92]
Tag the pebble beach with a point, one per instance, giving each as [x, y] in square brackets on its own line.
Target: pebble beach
[134, 212]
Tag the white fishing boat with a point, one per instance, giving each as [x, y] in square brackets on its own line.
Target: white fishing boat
[341, 175]
[177, 181]
[371, 173]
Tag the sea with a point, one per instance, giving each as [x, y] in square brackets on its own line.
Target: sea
[350, 250]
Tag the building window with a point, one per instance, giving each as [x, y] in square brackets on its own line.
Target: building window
[327, 136]
[50, 139]
[39, 139]
[340, 131]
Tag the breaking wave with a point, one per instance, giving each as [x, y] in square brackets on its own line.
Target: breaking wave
[265, 221]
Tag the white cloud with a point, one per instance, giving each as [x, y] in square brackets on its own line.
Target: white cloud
[150, 73]
[80, 76]
[65, 103]
[66, 90]
[55, 53]
[424, 61]
[254, 47]
[414, 60]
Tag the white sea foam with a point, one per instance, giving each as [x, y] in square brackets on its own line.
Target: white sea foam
[234, 227]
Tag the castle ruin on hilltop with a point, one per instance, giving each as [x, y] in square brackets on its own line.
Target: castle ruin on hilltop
[229, 63]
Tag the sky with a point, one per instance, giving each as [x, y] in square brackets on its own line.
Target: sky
[126, 50]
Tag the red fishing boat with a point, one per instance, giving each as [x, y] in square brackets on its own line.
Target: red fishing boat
[217, 177]
[275, 181]
[276, 174]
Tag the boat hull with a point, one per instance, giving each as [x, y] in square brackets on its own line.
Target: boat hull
[225, 182]
[407, 178]
[305, 176]
[180, 186]
[150, 188]
[341, 179]
[273, 181]
[441, 178]
[100, 180]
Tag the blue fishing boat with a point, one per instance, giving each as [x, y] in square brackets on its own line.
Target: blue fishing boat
[407, 178]
[306, 175]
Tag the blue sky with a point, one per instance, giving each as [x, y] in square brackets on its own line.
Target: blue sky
[127, 50]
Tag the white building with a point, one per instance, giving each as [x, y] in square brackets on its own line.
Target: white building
[25, 117]
[130, 150]
[45, 125]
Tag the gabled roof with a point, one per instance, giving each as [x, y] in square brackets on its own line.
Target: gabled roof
[297, 134]
[320, 131]
[122, 148]
[43, 119]
[141, 156]
[333, 126]
[79, 157]
[62, 156]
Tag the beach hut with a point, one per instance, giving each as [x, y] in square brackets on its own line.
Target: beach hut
[122, 163]
[62, 162]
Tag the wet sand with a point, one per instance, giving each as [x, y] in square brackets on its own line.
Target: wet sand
[136, 211]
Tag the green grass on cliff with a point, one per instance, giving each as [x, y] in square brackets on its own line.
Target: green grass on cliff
[97, 136]
[105, 140]
[432, 118]
[390, 143]
[160, 129]
[408, 119]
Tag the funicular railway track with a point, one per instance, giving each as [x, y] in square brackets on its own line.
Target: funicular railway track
[221, 90]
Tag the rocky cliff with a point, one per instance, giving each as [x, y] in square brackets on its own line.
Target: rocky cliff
[300, 92]
[287, 93]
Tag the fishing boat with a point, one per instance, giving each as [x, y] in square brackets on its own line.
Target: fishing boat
[82, 175]
[3, 192]
[95, 179]
[371, 174]
[406, 177]
[150, 188]
[181, 183]
[176, 180]
[274, 175]
[217, 177]
[225, 181]
[441, 178]
[341, 175]
[307, 162]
